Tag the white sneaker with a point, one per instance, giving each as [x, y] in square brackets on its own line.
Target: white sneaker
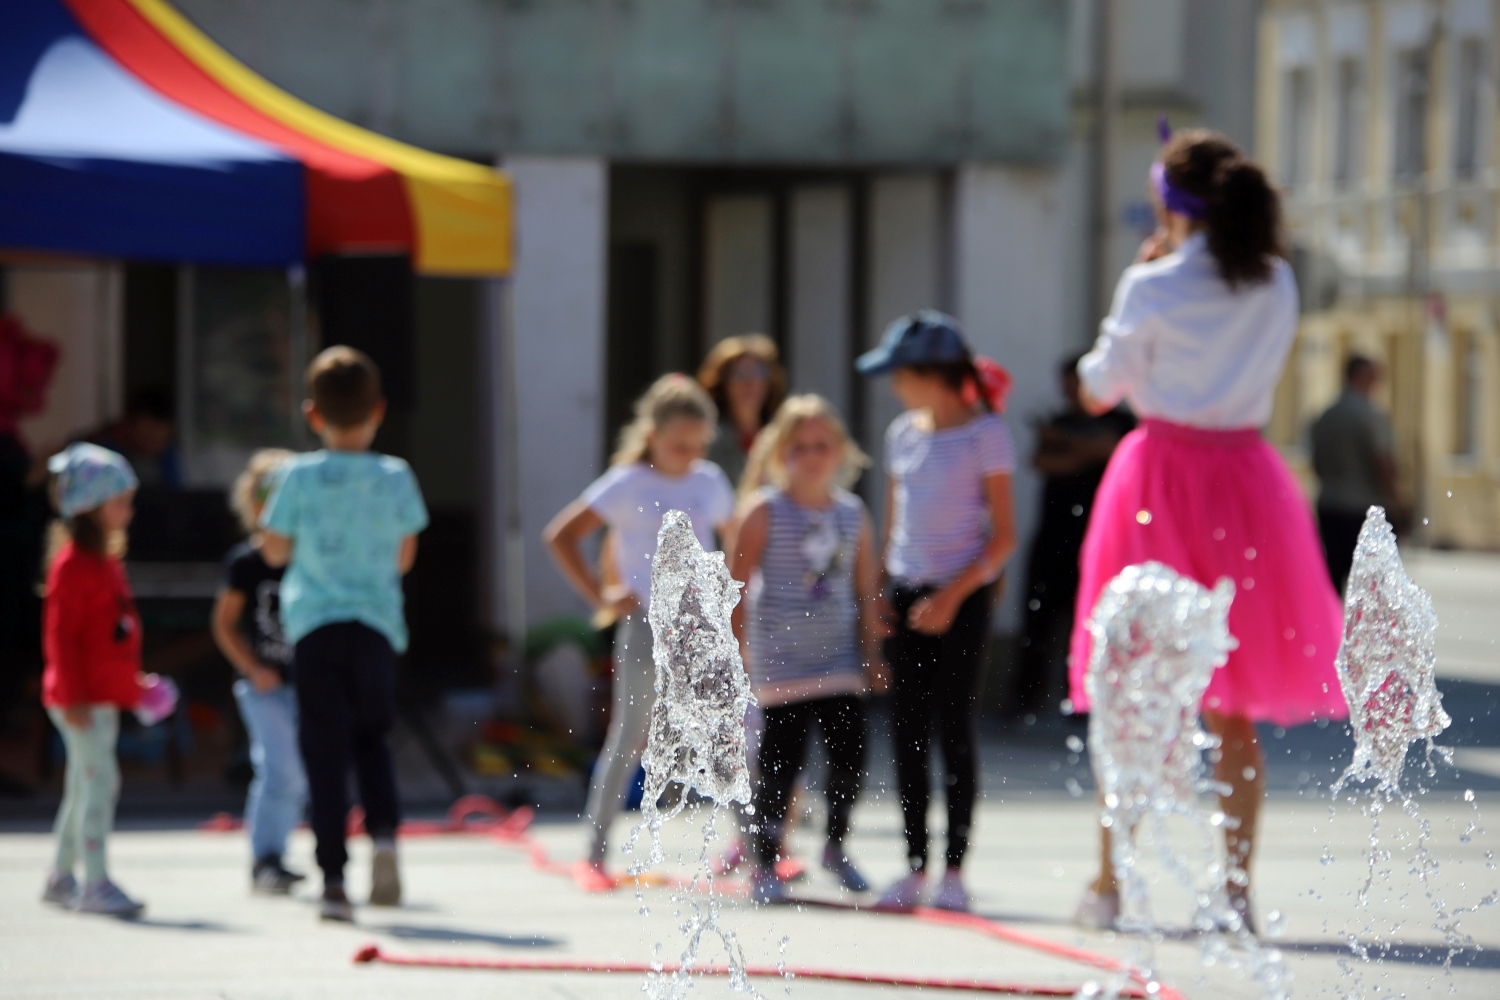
[951, 893]
[107, 898]
[1097, 911]
[62, 889]
[385, 878]
[906, 894]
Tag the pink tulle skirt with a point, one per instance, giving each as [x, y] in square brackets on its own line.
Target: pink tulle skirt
[1212, 504]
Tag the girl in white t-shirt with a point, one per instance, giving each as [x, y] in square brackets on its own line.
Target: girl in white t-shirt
[658, 466]
[948, 534]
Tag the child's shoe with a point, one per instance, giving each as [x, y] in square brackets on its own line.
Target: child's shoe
[61, 890]
[269, 877]
[951, 894]
[732, 858]
[905, 895]
[385, 878]
[765, 887]
[1097, 911]
[791, 869]
[335, 905]
[837, 862]
[590, 876]
[107, 898]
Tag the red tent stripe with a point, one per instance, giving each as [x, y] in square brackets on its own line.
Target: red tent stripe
[352, 202]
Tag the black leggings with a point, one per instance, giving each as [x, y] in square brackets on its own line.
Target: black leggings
[937, 674]
[783, 750]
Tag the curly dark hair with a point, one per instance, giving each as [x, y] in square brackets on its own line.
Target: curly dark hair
[1244, 210]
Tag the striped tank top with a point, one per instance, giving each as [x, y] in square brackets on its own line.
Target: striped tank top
[803, 615]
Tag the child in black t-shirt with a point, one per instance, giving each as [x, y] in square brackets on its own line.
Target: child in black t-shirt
[247, 627]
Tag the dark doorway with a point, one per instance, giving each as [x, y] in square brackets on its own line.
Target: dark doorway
[632, 318]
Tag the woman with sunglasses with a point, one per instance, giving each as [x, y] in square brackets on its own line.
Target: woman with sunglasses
[745, 378]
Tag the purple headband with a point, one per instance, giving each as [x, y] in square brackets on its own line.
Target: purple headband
[1174, 198]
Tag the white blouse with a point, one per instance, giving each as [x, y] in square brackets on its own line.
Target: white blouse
[1180, 345]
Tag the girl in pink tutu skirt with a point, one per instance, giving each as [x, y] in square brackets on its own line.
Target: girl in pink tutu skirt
[1195, 341]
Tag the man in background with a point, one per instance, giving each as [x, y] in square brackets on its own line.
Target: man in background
[146, 435]
[1072, 450]
[1353, 455]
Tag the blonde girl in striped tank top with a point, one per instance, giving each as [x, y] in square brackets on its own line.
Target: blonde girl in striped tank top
[806, 551]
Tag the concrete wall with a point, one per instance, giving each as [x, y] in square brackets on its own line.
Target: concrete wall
[558, 294]
[1010, 280]
[900, 81]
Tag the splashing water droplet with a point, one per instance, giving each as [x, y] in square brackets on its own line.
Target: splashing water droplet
[1075, 744]
[1275, 924]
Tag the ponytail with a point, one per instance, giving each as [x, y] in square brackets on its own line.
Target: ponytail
[1243, 216]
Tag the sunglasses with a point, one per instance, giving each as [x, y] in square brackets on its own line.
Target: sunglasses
[740, 372]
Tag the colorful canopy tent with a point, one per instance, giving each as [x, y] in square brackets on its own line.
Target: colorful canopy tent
[126, 132]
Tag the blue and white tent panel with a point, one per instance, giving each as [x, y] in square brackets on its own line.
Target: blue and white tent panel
[93, 161]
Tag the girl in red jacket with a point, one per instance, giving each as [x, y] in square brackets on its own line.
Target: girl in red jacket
[92, 638]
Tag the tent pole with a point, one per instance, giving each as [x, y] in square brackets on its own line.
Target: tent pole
[506, 565]
[296, 279]
[515, 537]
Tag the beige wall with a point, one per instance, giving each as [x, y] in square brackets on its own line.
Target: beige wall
[79, 308]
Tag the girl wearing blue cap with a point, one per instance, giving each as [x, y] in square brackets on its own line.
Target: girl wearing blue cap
[948, 534]
[92, 639]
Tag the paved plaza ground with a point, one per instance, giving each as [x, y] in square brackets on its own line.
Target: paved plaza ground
[204, 935]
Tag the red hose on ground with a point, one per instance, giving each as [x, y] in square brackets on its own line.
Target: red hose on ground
[474, 814]
[371, 953]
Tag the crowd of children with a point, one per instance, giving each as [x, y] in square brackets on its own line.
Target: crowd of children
[310, 613]
[820, 600]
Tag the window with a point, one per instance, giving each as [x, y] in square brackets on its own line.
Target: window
[1468, 108]
[1411, 114]
[1296, 124]
[1349, 91]
[238, 366]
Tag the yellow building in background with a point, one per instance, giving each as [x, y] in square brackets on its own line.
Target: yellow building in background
[1378, 120]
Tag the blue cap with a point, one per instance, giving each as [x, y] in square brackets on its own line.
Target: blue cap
[926, 337]
[88, 475]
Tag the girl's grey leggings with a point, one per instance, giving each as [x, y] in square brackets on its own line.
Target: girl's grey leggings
[90, 787]
[629, 723]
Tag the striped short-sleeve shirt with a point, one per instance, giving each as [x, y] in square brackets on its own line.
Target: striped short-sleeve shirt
[940, 517]
[803, 615]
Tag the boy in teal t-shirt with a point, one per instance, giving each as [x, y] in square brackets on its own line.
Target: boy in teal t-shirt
[344, 520]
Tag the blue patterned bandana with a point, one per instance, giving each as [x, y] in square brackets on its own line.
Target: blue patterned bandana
[88, 475]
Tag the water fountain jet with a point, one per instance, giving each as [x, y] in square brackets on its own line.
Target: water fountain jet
[696, 742]
[1158, 637]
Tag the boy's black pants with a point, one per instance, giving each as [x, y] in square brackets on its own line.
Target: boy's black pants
[346, 694]
[937, 675]
[783, 750]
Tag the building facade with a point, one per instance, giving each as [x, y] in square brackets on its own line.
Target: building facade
[1378, 119]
